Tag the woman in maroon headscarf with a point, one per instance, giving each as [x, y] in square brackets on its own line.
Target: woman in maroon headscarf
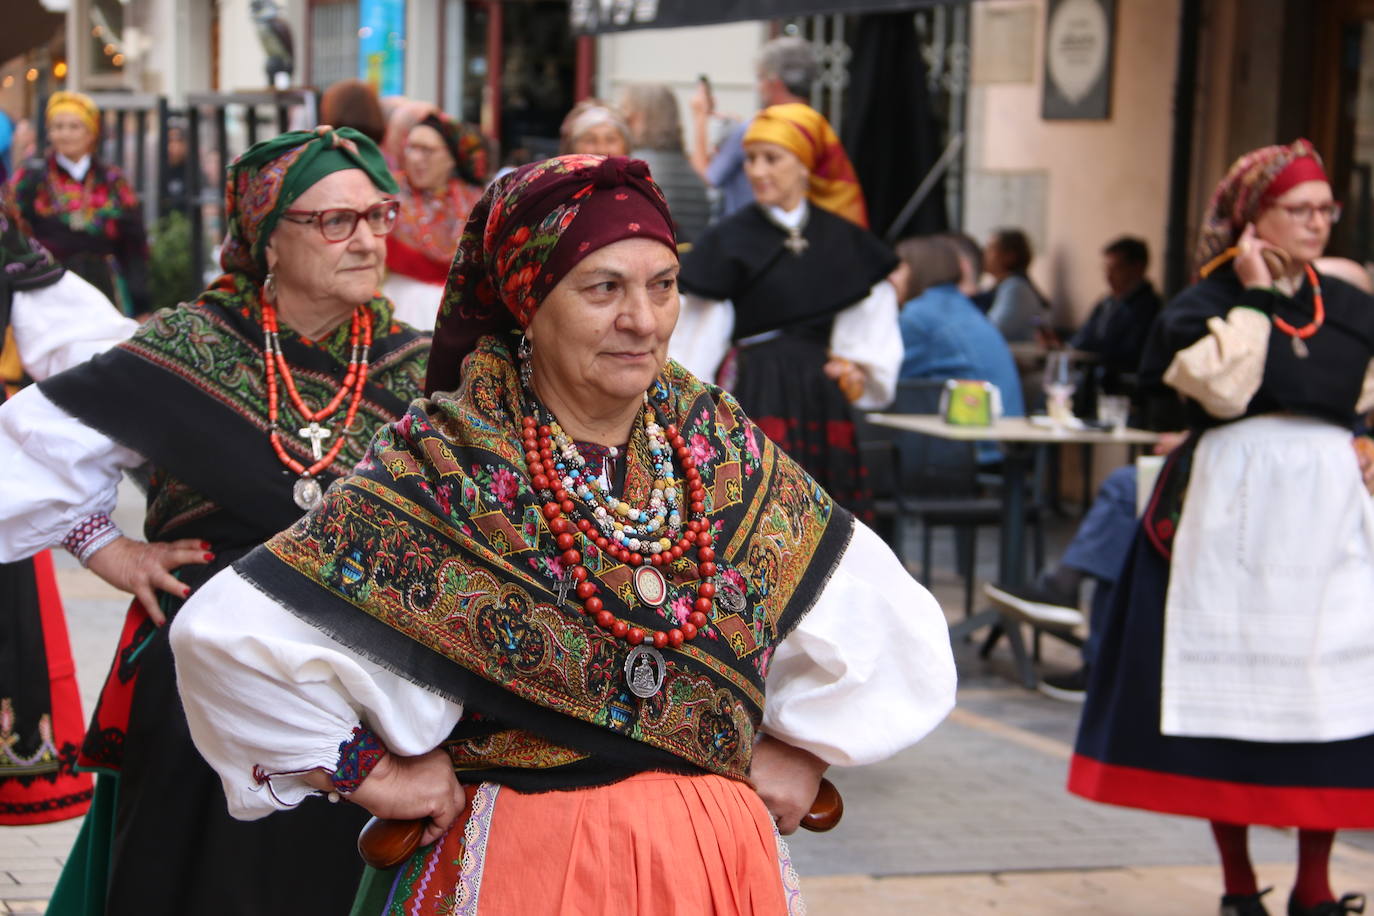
[1235, 679]
[577, 576]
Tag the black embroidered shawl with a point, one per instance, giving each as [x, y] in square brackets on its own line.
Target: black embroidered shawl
[188, 393]
[435, 560]
[743, 259]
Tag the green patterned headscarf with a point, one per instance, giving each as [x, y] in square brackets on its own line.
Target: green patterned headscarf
[271, 175]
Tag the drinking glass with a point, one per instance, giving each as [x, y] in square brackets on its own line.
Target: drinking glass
[1059, 387]
[1114, 410]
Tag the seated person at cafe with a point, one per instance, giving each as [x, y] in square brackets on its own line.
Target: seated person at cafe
[1014, 305]
[1118, 325]
[945, 336]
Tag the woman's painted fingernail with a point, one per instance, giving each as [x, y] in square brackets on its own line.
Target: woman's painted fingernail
[209, 557]
[186, 592]
[204, 545]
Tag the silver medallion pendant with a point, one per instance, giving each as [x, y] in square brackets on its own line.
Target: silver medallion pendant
[730, 596]
[650, 586]
[645, 670]
[307, 493]
[1299, 348]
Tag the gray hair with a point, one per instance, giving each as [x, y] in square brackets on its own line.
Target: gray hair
[793, 61]
[651, 109]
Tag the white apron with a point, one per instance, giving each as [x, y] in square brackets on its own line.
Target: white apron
[1269, 623]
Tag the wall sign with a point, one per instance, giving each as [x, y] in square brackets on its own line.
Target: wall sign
[1078, 60]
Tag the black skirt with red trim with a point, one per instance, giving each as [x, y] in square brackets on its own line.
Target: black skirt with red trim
[40, 707]
[782, 386]
[1122, 758]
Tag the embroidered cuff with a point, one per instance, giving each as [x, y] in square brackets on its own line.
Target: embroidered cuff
[89, 535]
[358, 754]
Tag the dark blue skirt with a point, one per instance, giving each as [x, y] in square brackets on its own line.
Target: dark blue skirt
[1121, 757]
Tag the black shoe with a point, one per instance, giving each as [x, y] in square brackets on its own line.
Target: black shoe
[1350, 903]
[1071, 688]
[1040, 605]
[1245, 904]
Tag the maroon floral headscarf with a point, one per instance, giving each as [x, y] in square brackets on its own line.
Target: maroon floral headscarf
[1252, 183]
[529, 229]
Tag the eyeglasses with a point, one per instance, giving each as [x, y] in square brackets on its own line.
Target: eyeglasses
[338, 225]
[423, 152]
[1302, 213]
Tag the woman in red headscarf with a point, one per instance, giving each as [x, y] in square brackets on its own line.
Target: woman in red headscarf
[787, 302]
[1235, 681]
[444, 176]
[584, 581]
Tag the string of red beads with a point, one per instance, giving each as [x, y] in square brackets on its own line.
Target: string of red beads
[539, 461]
[354, 381]
[1318, 311]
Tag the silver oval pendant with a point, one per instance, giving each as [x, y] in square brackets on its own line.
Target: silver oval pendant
[730, 596]
[645, 670]
[307, 493]
[1299, 347]
[650, 586]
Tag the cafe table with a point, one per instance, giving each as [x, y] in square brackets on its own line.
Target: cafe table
[1019, 437]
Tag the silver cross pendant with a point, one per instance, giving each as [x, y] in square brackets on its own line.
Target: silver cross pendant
[316, 434]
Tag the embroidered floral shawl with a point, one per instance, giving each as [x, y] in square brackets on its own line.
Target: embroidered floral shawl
[434, 560]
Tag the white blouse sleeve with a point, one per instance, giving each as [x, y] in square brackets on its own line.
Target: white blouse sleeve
[702, 336]
[869, 669]
[54, 472]
[867, 333]
[64, 324]
[266, 692]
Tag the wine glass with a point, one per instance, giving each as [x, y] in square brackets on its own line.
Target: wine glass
[1059, 387]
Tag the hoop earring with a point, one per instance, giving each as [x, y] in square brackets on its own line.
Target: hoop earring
[269, 288]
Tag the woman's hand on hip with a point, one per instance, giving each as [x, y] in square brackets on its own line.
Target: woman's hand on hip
[786, 778]
[144, 569]
[414, 788]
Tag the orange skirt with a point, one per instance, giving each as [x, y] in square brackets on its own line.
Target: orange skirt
[656, 844]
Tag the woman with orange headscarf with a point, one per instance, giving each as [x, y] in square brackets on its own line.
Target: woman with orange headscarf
[787, 302]
[83, 210]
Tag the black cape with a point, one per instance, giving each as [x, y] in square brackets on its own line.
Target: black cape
[743, 259]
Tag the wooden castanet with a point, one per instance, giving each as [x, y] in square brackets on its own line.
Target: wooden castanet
[387, 843]
[826, 810]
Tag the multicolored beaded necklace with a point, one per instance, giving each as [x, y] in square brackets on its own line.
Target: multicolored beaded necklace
[307, 492]
[619, 530]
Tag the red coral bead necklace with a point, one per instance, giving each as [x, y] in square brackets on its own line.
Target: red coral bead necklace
[307, 490]
[559, 507]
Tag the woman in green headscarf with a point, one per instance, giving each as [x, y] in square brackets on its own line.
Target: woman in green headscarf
[234, 410]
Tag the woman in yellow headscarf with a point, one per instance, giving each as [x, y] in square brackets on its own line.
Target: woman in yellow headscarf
[787, 302]
[82, 209]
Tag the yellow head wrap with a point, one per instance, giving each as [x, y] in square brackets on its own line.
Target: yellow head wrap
[77, 103]
[804, 131]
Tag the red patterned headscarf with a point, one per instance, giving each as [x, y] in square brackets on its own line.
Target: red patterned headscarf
[1254, 181]
[529, 229]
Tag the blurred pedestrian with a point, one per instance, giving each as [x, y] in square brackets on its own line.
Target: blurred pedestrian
[945, 336]
[786, 70]
[445, 174]
[354, 103]
[596, 128]
[82, 209]
[651, 111]
[1014, 305]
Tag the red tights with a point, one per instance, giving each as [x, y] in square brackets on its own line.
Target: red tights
[1313, 884]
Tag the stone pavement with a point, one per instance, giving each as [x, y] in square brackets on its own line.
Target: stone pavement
[974, 820]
